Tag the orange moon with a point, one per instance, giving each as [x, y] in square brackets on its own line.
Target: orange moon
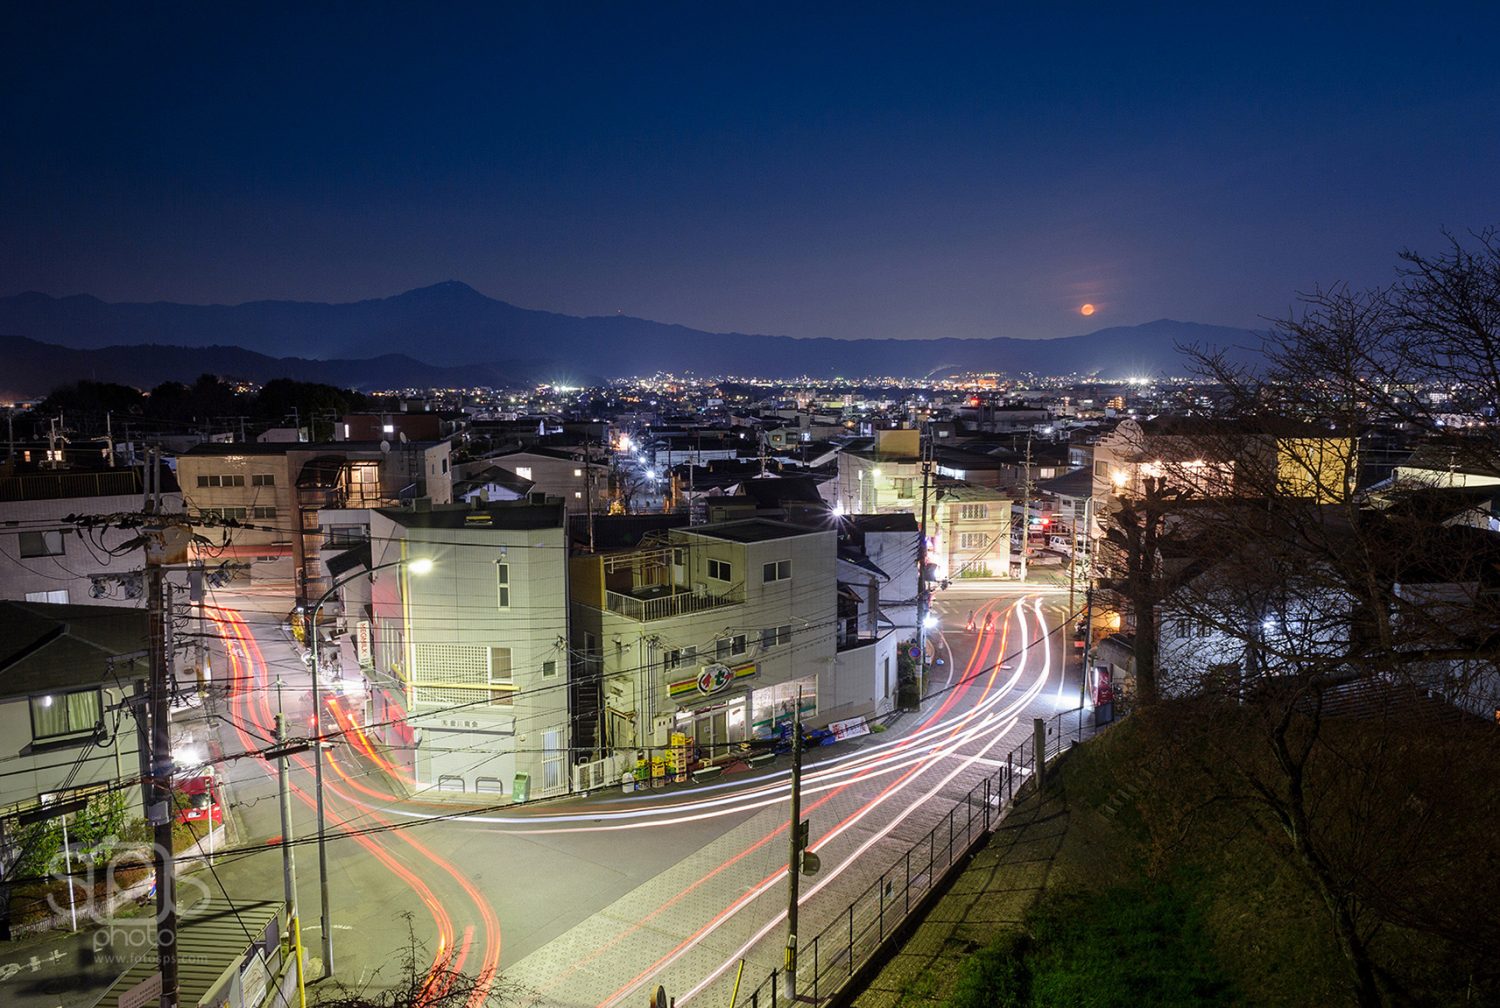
[1087, 309]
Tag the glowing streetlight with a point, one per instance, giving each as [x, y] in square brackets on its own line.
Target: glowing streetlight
[416, 565]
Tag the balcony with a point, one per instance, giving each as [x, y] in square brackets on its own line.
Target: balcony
[662, 603]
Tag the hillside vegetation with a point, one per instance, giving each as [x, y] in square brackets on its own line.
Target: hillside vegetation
[1177, 885]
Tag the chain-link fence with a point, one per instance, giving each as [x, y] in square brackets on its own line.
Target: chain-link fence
[828, 962]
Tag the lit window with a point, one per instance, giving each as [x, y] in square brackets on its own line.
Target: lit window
[389, 428]
[58, 715]
[524, 472]
[577, 472]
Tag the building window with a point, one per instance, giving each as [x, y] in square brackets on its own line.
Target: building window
[41, 544]
[577, 472]
[388, 428]
[56, 595]
[549, 669]
[224, 480]
[502, 683]
[972, 540]
[726, 647]
[502, 585]
[237, 513]
[678, 657]
[778, 570]
[578, 494]
[445, 465]
[775, 636]
[263, 512]
[903, 486]
[57, 715]
[524, 472]
[346, 535]
[973, 512]
[720, 570]
[262, 479]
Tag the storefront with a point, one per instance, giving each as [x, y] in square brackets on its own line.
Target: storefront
[772, 707]
[712, 707]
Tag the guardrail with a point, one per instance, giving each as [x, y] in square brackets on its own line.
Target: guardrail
[830, 961]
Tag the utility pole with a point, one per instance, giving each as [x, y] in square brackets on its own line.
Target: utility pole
[923, 599]
[1026, 509]
[288, 863]
[797, 840]
[109, 435]
[161, 781]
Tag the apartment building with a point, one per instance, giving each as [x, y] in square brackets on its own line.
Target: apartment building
[714, 631]
[468, 677]
[274, 491]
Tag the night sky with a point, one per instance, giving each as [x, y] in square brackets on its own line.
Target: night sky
[864, 171]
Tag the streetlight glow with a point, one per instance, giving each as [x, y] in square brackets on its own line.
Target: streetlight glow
[420, 565]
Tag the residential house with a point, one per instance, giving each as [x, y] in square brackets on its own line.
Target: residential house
[48, 559]
[572, 475]
[65, 671]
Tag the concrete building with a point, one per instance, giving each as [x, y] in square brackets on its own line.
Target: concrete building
[47, 559]
[274, 491]
[969, 531]
[467, 673]
[713, 631]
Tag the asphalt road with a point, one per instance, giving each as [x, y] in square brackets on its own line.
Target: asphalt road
[589, 901]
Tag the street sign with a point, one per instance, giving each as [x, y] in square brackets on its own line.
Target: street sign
[915, 652]
[143, 993]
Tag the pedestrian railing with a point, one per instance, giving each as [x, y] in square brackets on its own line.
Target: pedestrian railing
[830, 961]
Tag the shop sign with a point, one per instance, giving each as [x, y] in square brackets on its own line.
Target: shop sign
[712, 679]
[362, 644]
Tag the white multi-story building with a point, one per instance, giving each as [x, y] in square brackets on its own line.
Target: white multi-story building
[714, 631]
[469, 662]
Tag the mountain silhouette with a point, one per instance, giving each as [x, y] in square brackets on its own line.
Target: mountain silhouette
[451, 325]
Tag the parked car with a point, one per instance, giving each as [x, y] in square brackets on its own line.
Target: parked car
[198, 801]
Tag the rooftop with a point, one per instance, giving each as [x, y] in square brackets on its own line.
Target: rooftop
[751, 530]
[54, 647]
[507, 515]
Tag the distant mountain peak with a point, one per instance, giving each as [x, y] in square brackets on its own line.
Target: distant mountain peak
[447, 287]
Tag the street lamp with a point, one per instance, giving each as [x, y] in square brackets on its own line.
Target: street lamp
[416, 565]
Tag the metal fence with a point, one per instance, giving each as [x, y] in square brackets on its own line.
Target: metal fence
[828, 962]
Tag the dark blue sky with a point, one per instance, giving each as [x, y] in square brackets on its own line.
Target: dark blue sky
[873, 170]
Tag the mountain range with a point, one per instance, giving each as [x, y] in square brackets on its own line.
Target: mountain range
[450, 334]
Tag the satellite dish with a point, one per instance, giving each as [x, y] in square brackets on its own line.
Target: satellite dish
[385, 447]
[402, 436]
